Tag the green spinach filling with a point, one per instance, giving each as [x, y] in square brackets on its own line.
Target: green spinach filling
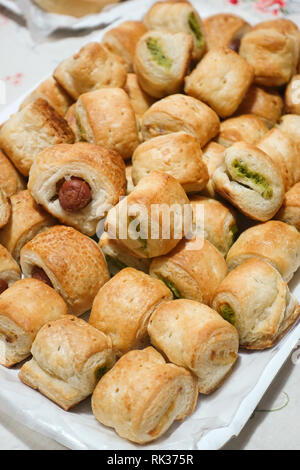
[228, 314]
[195, 27]
[116, 263]
[171, 286]
[262, 185]
[100, 372]
[235, 232]
[156, 50]
[143, 241]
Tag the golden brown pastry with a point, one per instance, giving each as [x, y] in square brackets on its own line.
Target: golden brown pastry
[181, 113]
[177, 154]
[141, 396]
[9, 270]
[69, 262]
[255, 299]
[139, 99]
[213, 156]
[290, 210]
[5, 209]
[77, 8]
[292, 96]
[128, 171]
[275, 242]
[290, 125]
[21, 137]
[245, 128]
[78, 183]
[221, 80]
[91, 68]
[161, 62]
[283, 25]
[225, 30]
[24, 308]
[26, 221]
[69, 358]
[193, 270]
[251, 181]
[11, 181]
[194, 336]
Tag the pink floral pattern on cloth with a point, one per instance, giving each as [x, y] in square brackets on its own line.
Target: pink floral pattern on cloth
[15, 79]
[275, 7]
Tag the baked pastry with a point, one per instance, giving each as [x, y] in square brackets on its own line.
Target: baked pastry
[5, 209]
[78, 183]
[25, 307]
[225, 30]
[123, 306]
[75, 8]
[128, 171]
[161, 62]
[26, 221]
[275, 242]
[213, 157]
[221, 80]
[150, 220]
[21, 137]
[119, 257]
[106, 117]
[177, 154]
[69, 262]
[139, 99]
[141, 396]
[91, 68]
[192, 271]
[70, 117]
[181, 113]
[245, 128]
[11, 181]
[251, 181]
[256, 300]
[9, 270]
[290, 210]
[52, 92]
[290, 125]
[264, 103]
[194, 336]
[282, 25]
[175, 17]
[69, 358]
[292, 96]
[122, 40]
[219, 222]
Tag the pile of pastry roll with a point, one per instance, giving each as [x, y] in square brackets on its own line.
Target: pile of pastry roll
[171, 110]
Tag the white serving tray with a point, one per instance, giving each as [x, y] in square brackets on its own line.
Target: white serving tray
[218, 417]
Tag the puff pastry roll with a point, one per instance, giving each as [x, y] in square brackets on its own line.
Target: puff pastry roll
[91, 68]
[175, 17]
[51, 91]
[246, 128]
[5, 209]
[181, 113]
[68, 261]
[130, 185]
[213, 157]
[290, 210]
[123, 307]
[282, 25]
[221, 80]
[161, 62]
[256, 300]
[251, 181]
[142, 227]
[106, 117]
[177, 154]
[25, 307]
[139, 99]
[9, 269]
[26, 221]
[78, 183]
[123, 40]
[69, 358]
[275, 242]
[208, 344]
[290, 125]
[21, 137]
[192, 271]
[225, 30]
[141, 396]
[292, 96]
[11, 181]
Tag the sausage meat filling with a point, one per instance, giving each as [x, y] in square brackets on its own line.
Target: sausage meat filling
[3, 285]
[74, 194]
[40, 275]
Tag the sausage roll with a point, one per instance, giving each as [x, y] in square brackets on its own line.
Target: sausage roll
[139, 99]
[106, 117]
[24, 308]
[292, 96]
[275, 242]
[9, 269]
[26, 221]
[251, 181]
[5, 209]
[150, 220]
[256, 300]
[123, 307]
[181, 113]
[69, 262]
[194, 336]
[142, 395]
[290, 125]
[192, 271]
[220, 226]
[122, 40]
[21, 137]
[161, 62]
[225, 30]
[213, 156]
[178, 17]
[69, 358]
[221, 80]
[246, 128]
[91, 68]
[52, 92]
[78, 183]
[177, 154]
[11, 181]
[290, 210]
